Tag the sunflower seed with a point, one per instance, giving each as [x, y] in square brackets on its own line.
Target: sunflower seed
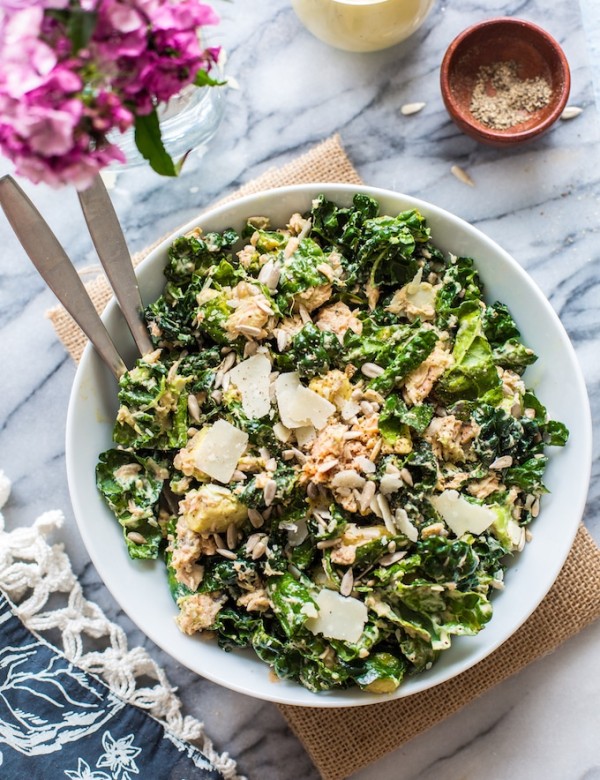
[238, 476]
[386, 513]
[259, 549]
[282, 340]
[264, 453]
[271, 465]
[367, 496]
[571, 112]
[373, 455]
[273, 279]
[347, 583]
[349, 435]
[348, 478]
[371, 370]
[326, 543]
[264, 306]
[294, 571]
[503, 462]
[375, 508]
[249, 330]
[305, 230]
[256, 519]
[227, 553]
[250, 348]
[217, 396]
[327, 465]
[462, 175]
[390, 558]
[291, 247]
[252, 541]
[535, 508]
[406, 476]
[370, 533]
[218, 380]
[366, 408]
[365, 464]
[219, 541]
[411, 108]
[228, 362]
[232, 536]
[193, 407]
[304, 315]
[269, 491]
[312, 490]
[300, 456]
[265, 271]
[136, 537]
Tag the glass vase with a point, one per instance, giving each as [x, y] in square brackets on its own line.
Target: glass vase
[187, 122]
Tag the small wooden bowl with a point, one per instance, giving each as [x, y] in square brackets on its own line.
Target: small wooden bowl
[535, 53]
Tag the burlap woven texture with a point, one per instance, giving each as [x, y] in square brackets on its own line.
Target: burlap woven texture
[341, 741]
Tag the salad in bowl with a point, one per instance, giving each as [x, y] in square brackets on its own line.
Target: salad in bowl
[339, 476]
[333, 453]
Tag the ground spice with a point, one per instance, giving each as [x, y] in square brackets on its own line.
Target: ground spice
[501, 99]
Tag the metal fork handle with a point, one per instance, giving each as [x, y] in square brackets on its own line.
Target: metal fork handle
[108, 238]
[53, 264]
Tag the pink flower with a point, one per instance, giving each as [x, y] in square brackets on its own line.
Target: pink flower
[61, 97]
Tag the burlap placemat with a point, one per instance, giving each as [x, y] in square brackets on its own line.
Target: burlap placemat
[341, 741]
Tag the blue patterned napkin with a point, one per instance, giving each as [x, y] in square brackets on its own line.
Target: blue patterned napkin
[57, 721]
[108, 713]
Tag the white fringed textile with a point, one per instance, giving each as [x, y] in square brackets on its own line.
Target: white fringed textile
[32, 571]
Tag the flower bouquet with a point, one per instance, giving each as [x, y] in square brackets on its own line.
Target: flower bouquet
[75, 72]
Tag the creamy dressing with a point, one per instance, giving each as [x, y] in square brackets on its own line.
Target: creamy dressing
[362, 25]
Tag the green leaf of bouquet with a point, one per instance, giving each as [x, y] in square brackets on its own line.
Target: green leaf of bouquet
[149, 143]
[203, 79]
[80, 26]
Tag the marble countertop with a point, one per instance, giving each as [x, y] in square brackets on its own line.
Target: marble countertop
[541, 202]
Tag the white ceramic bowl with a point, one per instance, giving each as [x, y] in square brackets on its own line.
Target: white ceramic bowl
[141, 587]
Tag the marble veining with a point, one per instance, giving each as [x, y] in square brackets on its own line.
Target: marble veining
[541, 202]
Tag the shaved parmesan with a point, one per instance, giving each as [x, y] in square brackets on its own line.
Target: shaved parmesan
[298, 406]
[299, 534]
[461, 515]
[340, 617]
[251, 377]
[305, 435]
[404, 525]
[423, 297]
[220, 450]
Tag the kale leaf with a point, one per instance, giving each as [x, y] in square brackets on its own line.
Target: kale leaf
[131, 485]
[312, 352]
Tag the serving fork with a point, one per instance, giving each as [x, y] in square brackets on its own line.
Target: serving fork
[54, 265]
